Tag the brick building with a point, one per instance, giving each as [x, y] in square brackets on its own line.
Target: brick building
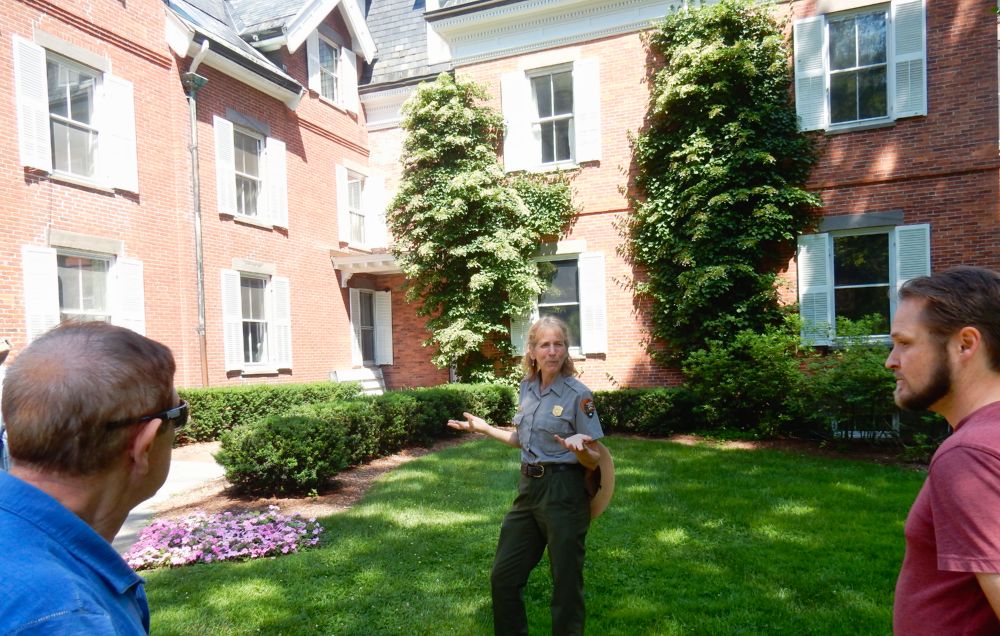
[214, 172]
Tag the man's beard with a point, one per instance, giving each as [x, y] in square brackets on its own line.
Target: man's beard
[938, 387]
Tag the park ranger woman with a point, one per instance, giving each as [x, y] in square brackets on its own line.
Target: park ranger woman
[556, 428]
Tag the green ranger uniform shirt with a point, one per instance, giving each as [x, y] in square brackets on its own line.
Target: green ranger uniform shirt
[564, 408]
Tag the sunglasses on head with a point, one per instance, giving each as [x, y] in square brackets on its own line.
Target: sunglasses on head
[178, 416]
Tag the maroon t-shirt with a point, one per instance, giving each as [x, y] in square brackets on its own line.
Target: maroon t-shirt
[953, 532]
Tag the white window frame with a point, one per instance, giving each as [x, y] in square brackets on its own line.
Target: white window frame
[277, 311]
[355, 207]
[909, 257]
[522, 148]
[382, 332]
[81, 313]
[91, 129]
[332, 74]
[591, 296]
[576, 350]
[115, 163]
[272, 195]
[346, 73]
[538, 122]
[371, 210]
[884, 9]
[125, 301]
[257, 179]
[906, 65]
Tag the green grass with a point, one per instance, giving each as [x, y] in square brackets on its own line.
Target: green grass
[698, 540]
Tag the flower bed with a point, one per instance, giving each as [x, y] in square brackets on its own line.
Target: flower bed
[227, 536]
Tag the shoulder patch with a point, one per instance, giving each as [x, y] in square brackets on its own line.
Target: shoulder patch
[587, 405]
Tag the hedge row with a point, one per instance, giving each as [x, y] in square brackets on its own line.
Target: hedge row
[303, 448]
[217, 410]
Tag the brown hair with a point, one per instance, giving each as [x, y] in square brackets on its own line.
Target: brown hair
[960, 297]
[63, 390]
[529, 366]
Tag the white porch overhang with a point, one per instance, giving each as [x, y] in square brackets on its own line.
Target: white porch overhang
[349, 265]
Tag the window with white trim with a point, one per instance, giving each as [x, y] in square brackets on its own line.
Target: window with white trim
[854, 274]
[83, 286]
[63, 284]
[251, 174]
[552, 116]
[553, 98]
[371, 327]
[575, 294]
[859, 67]
[74, 121]
[361, 208]
[256, 322]
[333, 69]
[329, 53]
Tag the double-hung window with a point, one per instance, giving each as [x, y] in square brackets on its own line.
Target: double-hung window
[81, 282]
[83, 286]
[575, 294]
[553, 97]
[329, 53]
[75, 120]
[251, 174]
[361, 208]
[855, 274]
[552, 116]
[256, 315]
[371, 327]
[859, 67]
[248, 150]
[332, 68]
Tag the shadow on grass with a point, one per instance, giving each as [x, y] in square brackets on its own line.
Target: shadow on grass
[698, 540]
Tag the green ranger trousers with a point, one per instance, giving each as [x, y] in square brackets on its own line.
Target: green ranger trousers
[554, 511]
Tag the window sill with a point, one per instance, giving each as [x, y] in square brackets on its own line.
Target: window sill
[562, 166]
[260, 371]
[65, 177]
[249, 220]
[872, 125]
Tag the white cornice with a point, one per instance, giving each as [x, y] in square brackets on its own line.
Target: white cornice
[312, 15]
[538, 24]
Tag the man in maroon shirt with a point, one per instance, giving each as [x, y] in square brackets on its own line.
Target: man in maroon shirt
[946, 359]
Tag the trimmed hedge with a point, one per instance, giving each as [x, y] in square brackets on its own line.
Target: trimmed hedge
[217, 410]
[304, 448]
[652, 412]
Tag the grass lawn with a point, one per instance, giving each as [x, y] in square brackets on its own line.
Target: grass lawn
[698, 540]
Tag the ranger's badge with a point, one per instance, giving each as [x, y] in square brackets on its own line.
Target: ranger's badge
[557, 410]
[588, 407]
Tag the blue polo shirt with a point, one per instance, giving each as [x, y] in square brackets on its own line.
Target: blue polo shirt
[564, 408]
[59, 576]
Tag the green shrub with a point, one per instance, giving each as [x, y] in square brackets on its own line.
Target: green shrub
[216, 410]
[751, 383]
[356, 419]
[658, 411]
[850, 388]
[283, 455]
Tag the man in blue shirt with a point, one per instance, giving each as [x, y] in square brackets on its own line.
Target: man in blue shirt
[90, 411]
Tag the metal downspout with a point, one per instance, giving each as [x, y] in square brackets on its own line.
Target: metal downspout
[192, 83]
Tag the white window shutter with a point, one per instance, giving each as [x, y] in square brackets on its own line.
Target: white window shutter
[225, 165]
[232, 320]
[810, 73]
[587, 110]
[383, 327]
[910, 57]
[349, 79]
[593, 309]
[276, 181]
[117, 143]
[312, 62]
[373, 202]
[41, 289]
[343, 213]
[129, 308]
[913, 252]
[281, 312]
[31, 87]
[520, 148]
[355, 310]
[815, 288]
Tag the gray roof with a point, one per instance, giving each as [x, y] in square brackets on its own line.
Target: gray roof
[400, 35]
[212, 20]
[254, 16]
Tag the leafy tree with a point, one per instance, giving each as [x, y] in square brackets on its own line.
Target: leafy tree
[720, 171]
[465, 232]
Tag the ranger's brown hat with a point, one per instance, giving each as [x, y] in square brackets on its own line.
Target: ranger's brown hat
[601, 482]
